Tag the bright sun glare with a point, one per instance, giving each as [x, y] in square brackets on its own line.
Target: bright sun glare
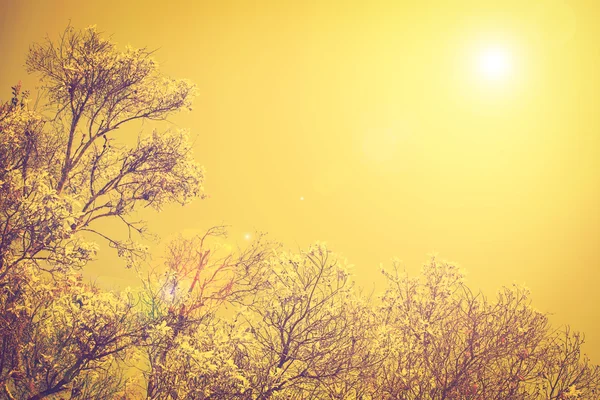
[494, 63]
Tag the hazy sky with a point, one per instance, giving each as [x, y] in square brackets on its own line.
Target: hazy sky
[470, 129]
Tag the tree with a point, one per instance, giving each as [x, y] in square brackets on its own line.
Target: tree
[442, 341]
[191, 349]
[301, 332]
[60, 173]
[310, 330]
[62, 338]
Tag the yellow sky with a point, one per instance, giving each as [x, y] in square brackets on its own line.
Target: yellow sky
[378, 116]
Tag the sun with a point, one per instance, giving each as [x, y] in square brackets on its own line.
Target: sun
[494, 63]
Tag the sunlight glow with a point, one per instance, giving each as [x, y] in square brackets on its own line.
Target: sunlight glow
[494, 63]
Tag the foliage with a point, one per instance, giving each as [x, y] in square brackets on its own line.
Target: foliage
[190, 349]
[215, 322]
[61, 171]
[64, 336]
[441, 341]
[309, 328]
